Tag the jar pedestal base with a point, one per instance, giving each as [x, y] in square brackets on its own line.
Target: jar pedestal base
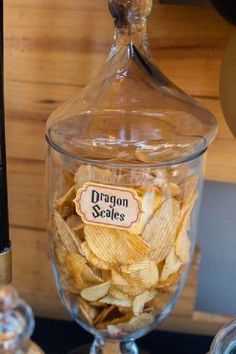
[94, 349]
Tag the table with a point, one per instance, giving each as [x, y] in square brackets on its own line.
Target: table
[59, 337]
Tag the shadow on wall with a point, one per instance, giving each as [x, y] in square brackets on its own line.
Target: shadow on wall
[217, 241]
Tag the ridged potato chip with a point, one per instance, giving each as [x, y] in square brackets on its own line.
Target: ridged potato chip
[60, 252]
[159, 301]
[115, 246]
[74, 221]
[172, 265]
[89, 173]
[67, 284]
[171, 190]
[67, 236]
[90, 275]
[161, 230]
[166, 285]
[142, 274]
[111, 300]
[89, 313]
[118, 279]
[140, 301]
[151, 201]
[136, 323]
[118, 294]
[65, 205]
[130, 289]
[68, 178]
[169, 289]
[92, 259]
[183, 245]
[120, 319]
[74, 263]
[104, 314]
[96, 292]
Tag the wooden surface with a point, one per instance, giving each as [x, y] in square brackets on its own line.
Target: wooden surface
[52, 49]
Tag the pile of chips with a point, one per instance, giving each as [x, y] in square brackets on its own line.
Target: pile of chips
[121, 279]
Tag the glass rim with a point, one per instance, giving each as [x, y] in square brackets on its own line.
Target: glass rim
[104, 163]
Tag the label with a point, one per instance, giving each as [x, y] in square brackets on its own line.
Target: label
[108, 205]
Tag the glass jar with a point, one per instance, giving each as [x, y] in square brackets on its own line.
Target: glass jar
[16, 324]
[125, 164]
[225, 340]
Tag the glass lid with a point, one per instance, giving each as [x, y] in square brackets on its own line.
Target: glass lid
[131, 113]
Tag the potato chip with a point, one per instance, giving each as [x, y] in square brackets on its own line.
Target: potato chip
[97, 303]
[74, 263]
[96, 292]
[188, 204]
[130, 289]
[171, 190]
[115, 246]
[136, 323]
[140, 301]
[160, 266]
[172, 265]
[81, 272]
[90, 275]
[104, 314]
[105, 274]
[65, 205]
[60, 252]
[118, 279]
[189, 193]
[89, 313]
[145, 155]
[183, 245]
[113, 330]
[92, 259]
[111, 300]
[151, 201]
[161, 230]
[143, 274]
[168, 289]
[172, 279]
[67, 236]
[74, 221]
[89, 173]
[118, 294]
[68, 177]
[159, 301]
[67, 284]
[120, 319]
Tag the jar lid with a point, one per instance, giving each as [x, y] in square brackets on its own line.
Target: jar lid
[131, 113]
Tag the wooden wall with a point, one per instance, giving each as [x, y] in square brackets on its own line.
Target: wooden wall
[52, 49]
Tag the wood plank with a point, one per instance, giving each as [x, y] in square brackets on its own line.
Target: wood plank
[72, 53]
[169, 25]
[185, 67]
[33, 276]
[26, 193]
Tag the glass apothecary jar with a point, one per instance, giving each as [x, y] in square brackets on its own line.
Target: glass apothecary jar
[125, 161]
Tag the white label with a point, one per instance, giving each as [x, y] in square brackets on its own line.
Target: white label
[108, 205]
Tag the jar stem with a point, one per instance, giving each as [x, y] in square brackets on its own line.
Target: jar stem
[108, 346]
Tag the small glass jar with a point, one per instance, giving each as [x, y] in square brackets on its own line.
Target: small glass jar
[125, 173]
[225, 340]
[16, 324]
